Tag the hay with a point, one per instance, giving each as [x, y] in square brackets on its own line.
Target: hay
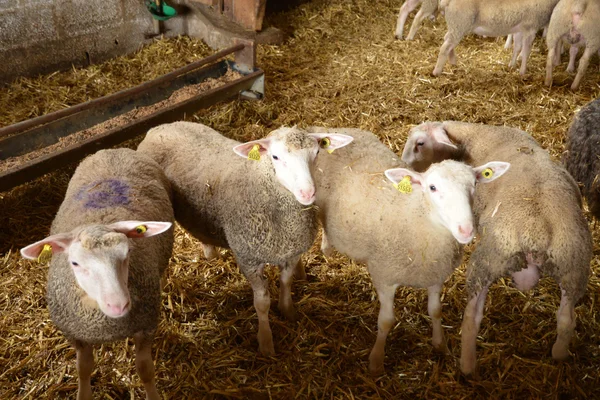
[341, 67]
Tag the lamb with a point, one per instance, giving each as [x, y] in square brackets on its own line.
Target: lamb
[260, 207]
[103, 287]
[411, 238]
[428, 9]
[531, 222]
[490, 18]
[576, 23]
[581, 158]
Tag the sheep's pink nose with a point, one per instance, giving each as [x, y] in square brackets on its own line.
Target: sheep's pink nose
[466, 230]
[118, 309]
[307, 194]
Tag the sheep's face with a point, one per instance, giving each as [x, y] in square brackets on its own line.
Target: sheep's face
[292, 153]
[449, 188]
[99, 258]
[427, 144]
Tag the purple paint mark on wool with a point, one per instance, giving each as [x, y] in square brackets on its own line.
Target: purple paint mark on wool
[104, 194]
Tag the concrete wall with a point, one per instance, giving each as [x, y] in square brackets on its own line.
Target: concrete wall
[39, 36]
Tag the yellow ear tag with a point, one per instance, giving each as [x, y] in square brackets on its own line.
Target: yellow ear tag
[141, 229]
[487, 173]
[404, 186]
[45, 255]
[325, 143]
[254, 154]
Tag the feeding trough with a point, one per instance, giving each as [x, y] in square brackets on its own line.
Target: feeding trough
[25, 139]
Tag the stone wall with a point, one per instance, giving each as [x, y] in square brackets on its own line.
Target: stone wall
[39, 36]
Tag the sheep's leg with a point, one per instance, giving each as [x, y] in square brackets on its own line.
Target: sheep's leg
[470, 326]
[452, 57]
[447, 48]
[583, 64]
[509, 41]
[85, 367]
[210, 252]
[527, 43]
[552, 52]
[286, 275]
[144, 364]
[326, 248]
[517, 47]
[572, 56]
[565, 327]
[558, 52]
[262, 303]
[385, 322]
[434, 308]
[407, 8]
[421, 15]
[300, 271]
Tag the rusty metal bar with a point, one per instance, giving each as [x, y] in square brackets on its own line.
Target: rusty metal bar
[50, 162]
[21, 126]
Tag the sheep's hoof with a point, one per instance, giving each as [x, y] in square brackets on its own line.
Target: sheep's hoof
[441, 348]
[376, 369]
[469, 368]
[289, 313]
[398, 37]
[560, 352]
[266, 349]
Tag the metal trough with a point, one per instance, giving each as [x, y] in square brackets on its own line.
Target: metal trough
[36, 133]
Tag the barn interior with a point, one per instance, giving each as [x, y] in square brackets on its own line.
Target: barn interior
[336, 64]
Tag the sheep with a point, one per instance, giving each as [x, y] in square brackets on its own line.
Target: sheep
[576, 23]
[404, 239]
[428, 9]
[522, 17]
[103, 287]
[581, 158]
[261, 210]
[530, 222]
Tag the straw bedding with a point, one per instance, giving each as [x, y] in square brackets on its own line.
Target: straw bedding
[340, 67]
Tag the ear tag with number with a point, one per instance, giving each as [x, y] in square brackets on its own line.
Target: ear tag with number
[45, 255]
[404, 186]
[254, 154]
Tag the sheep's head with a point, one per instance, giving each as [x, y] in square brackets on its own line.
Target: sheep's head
[449, 188]
[99, 258]
[292, 153]
[427, 144]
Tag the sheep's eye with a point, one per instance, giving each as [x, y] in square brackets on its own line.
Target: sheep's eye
[420, 143]
[275, 158]
[73, 263]
[432, 188]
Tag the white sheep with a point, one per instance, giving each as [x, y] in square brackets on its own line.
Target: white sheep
[260, 207]
[531, 222]
[493, 18]
[428, 9]
[409, 238]
[102, 286]
[574, 22]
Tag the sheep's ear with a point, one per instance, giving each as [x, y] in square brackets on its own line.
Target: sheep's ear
[332, 141]
[440, 135]
[396, 175]
[244, 149]
[59, 243]
[138, 229]
[491, 171]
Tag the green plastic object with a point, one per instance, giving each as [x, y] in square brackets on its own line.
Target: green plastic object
[161, 11]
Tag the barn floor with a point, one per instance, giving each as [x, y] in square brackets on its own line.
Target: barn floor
[340, 67]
